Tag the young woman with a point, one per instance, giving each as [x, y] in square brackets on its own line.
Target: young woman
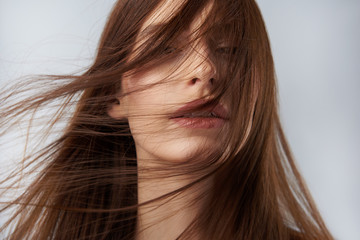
[172, 133]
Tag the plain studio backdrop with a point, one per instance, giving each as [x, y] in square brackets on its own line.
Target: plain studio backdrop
[316, 49]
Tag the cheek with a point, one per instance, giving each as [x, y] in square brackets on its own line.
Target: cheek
[159, 138]
[152, 94]
[147, 104]
[147, 111]
[155, 135]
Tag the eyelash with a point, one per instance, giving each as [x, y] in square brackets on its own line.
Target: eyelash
[169, 50]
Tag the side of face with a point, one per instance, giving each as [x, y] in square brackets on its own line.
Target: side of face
[152, 96]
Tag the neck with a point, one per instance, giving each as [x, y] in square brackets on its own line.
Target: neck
[167, 217]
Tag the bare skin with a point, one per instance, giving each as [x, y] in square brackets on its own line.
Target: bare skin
[167, 219]
[160, 140]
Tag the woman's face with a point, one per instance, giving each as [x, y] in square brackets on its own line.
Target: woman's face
[159, 128]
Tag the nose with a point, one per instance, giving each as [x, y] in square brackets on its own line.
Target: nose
[203, 69]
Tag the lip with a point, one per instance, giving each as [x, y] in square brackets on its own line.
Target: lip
[201, 122]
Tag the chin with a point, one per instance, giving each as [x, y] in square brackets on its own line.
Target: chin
[179, 150]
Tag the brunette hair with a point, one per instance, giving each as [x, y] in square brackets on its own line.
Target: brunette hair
[86, 179]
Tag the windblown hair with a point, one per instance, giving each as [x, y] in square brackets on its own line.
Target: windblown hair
[85, 184]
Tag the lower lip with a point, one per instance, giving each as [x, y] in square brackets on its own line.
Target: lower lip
[200, 122]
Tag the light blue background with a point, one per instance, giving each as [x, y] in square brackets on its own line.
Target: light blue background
[317, 55]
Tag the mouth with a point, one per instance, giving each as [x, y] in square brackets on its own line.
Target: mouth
[193, 116]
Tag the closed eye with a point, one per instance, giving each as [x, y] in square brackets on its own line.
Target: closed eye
[169, 50]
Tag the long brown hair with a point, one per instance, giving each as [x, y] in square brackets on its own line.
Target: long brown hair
[86, 179]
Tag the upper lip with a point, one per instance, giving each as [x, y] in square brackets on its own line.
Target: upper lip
[193, 106]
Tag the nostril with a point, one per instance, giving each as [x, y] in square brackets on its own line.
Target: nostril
[212, 81]
[194, 80]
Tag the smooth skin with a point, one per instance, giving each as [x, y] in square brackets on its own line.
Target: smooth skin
[159, 139]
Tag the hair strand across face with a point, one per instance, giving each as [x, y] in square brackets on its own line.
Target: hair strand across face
[111, 130]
